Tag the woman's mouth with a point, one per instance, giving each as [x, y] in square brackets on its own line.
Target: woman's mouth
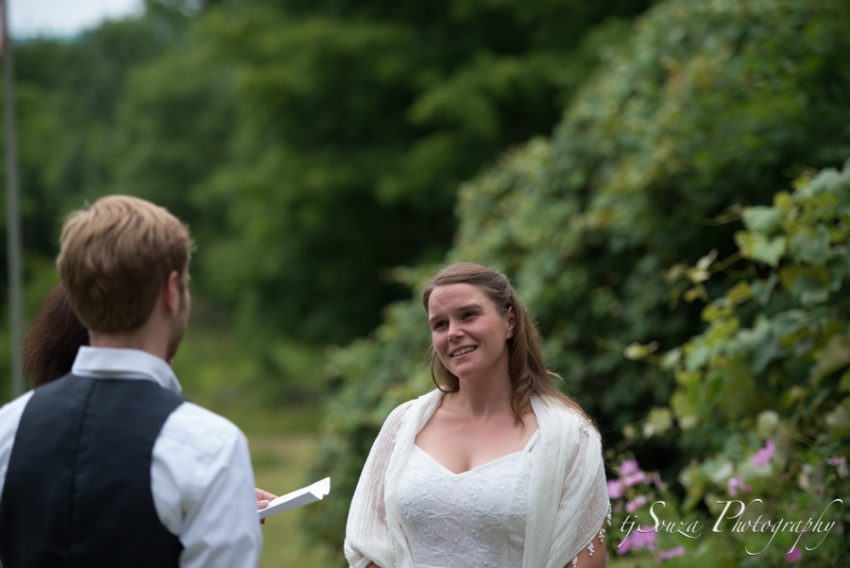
[459, 352]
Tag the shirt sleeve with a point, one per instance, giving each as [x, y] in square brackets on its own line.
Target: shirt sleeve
[10, 417]
[203, 486]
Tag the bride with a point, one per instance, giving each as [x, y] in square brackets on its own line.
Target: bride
[495, 467]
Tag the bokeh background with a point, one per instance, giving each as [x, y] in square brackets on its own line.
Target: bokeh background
[664, 181]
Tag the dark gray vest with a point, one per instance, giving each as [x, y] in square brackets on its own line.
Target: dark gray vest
[77, 492]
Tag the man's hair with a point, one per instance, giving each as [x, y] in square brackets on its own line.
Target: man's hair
[115, 257]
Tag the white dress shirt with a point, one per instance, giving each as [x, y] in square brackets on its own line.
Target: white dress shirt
[201, 476]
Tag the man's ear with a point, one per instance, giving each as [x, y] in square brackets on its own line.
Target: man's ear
[172, 294]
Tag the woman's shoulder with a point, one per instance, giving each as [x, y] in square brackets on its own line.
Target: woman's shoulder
[566, 427]
[551, 409]
[412, 406]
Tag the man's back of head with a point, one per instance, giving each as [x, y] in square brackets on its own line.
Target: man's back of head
[116, 256]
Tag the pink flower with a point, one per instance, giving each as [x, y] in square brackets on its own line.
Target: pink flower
[672, 553]
[735, 484]
[615, 489]
[837, 460]
[794, 555]
[636, 503]
[634, 478]
[656, 480]
[629, 467]
[764, 454]
[643, 537]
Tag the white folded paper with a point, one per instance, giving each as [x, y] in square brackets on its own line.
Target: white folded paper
[297, 498]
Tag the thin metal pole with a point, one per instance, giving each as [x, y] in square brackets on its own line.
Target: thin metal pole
[13, 226]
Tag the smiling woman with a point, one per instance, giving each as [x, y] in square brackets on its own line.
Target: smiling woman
[496, 467]
[51, 18]
[469, 333]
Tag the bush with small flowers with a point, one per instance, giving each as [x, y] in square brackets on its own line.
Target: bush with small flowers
[646, 524]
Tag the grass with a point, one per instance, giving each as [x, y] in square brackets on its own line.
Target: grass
[280, 466]
[283, 442]
[216, 373]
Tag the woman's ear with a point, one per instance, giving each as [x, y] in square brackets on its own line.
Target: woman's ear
[510, 321]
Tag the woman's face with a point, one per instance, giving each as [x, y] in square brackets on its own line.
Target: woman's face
[468, 332]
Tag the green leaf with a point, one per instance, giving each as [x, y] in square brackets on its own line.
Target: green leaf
[764, 352]
[637, 351]
[694, 480]
[696, 355]
[809, 284]
[767, 423]
[831, 358]
[838, 422]
[659, 421]
[810, 246]
[757, 247]
[762, 219]
[762, 289]
[740, 292]
[737, 390]
[718, 469]
[685, 409]
[717, 311]
[671, 359]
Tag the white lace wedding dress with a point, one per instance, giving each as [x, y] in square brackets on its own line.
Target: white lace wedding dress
[475, 518]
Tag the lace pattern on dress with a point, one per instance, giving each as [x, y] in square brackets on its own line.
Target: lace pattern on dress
[476, 518]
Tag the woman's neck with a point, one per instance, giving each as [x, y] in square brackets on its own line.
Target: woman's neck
[481, 398]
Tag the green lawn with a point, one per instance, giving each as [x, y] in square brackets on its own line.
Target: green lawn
[280, 465]
[282, 438]
[283, 442]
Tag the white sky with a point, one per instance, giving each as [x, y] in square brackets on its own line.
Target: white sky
[28, 18]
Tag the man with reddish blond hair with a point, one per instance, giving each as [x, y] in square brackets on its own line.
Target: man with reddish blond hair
[108, 465]
[116, 256]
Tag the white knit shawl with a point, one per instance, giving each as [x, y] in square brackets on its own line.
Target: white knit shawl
[567, 502]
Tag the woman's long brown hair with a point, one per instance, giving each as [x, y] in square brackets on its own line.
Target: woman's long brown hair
[53, 339]
[527, 370]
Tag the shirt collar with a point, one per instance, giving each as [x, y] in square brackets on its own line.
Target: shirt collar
[113, 363]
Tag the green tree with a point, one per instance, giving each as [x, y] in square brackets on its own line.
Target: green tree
[356, 123]
[67, 94]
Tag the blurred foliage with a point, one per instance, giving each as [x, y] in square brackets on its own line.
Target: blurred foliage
[357, 122]
[762, 396]
[761, 399]
[67, 94]
[311, 146]
[710, 106]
